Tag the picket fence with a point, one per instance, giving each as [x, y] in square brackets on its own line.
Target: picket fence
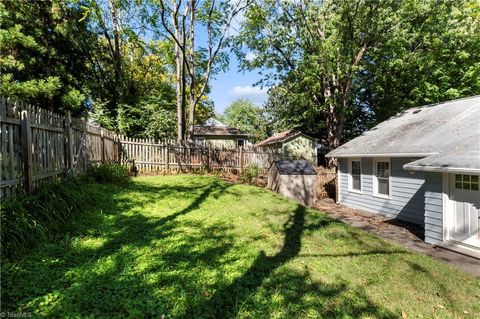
[153, 156]
[38, 145]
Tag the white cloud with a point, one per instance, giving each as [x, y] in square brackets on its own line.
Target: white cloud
[250, 56]
[254, 93]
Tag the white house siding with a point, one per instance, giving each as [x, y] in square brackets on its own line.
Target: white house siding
[433, 208]
[407, 191]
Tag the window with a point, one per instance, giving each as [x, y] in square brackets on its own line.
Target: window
[469, 182]
[382, 178]
[240, 143]
[356, 175]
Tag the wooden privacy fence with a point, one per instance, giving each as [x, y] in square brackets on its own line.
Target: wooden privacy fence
[151, 156]
[38, 145]
[326, 182]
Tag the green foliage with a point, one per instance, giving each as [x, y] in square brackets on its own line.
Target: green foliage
[42, 60]
[338, 67]
[197, 247]
[108, 173]
[246, 116]
[29, 219]
[250, 173]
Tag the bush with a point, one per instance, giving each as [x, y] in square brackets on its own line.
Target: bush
[108, 173]
[30, 218]
[250, 173]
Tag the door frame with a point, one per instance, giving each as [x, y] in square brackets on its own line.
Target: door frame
[447, 209]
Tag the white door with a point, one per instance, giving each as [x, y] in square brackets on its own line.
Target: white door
[464, 211]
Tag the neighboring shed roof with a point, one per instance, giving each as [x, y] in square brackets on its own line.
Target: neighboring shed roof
[281, 137]
[450, 130]
[295, 167]
[213, 122]
[201, 130]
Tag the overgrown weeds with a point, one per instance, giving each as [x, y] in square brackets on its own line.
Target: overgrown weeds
[108, 173]
[29, 219]
[249, 174]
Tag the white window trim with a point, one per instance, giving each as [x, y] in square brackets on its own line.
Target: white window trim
[241, 139]
[350, 182]
[375, 179]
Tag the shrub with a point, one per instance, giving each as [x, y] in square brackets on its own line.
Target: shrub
[108, 173]
[250, 173]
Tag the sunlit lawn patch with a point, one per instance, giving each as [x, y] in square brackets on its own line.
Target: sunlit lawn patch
[193, 246]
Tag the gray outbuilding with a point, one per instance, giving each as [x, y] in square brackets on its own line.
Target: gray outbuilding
[295, 179]
[421, 166]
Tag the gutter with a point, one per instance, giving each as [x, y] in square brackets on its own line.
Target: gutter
[382, 155]
[441, 169]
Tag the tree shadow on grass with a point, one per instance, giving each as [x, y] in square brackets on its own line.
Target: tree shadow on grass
[95, 280]
[239, 296]
[186, 271]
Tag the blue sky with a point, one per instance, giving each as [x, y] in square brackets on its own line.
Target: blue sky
[235, 84]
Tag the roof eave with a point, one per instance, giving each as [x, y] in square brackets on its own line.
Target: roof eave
[330, 155]
[441, 169]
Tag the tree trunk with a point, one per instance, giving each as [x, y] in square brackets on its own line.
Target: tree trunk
[180, 83]
[191, 116]
[117, 63]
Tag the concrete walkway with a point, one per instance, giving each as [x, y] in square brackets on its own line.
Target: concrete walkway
[405, 234]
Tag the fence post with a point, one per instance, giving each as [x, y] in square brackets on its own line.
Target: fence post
[27, 152]
[208, 158]
[69, 135]
[241, 159]
[84, 148]
[167, 159]
[102, 146]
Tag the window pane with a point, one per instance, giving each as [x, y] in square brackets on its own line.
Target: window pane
[474, 187]
[458, 178]
[382, 169]
[474, 178]
[383, 186]
[458, 185]
[466, 178]
[355, 167]
[356, 182]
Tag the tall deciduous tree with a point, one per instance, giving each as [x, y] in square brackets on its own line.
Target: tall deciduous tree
[248, 117]
[195, 64]
[338, 55]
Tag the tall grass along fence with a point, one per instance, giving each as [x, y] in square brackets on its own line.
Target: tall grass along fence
[38, 145]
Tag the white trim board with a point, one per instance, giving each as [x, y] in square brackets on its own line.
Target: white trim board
[439, 169]
[382, 155]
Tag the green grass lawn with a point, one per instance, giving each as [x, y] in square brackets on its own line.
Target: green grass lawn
[198, 247]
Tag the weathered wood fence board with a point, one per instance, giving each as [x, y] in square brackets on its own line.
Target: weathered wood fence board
[152, 156]
[39, 145]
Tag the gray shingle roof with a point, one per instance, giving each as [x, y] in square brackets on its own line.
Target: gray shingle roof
[295, 167]
[218, 131]
[447, 134]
